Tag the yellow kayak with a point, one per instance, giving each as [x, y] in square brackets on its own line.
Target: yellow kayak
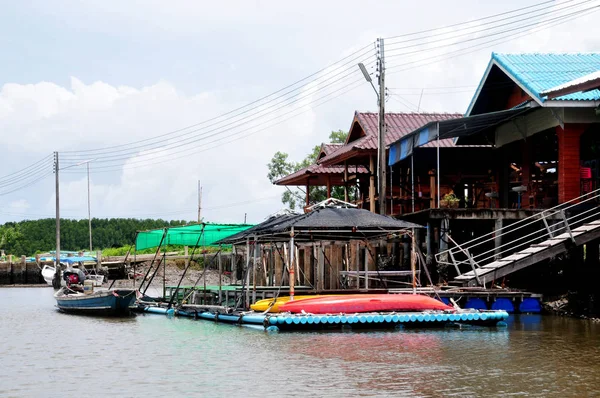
[262, 305]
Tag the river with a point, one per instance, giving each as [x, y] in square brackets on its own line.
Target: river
[45, 353]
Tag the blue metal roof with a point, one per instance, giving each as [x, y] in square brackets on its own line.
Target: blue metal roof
[75, 259]
[540, 72]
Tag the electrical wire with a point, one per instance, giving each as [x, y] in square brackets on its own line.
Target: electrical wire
[18, 173]
[484, 36]
[260, 127]
[216, 131]
[470, 21]
[26, 184]
[361, 51]
[459, 52]
[482, 28]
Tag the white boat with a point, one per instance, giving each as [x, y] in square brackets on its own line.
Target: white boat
[49, 270]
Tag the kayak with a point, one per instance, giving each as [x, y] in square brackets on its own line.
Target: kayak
[364, 303]
[262, 305]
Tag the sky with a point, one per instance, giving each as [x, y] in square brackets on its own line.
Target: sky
[119, 83]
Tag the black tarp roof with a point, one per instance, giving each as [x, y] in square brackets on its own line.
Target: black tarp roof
[323, 224]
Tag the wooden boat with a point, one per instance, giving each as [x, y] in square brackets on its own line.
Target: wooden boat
[263, 305]
[357, 303]
[99, 302]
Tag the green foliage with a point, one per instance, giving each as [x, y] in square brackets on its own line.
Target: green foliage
[280, 167]
[37, 236]
[338, 137]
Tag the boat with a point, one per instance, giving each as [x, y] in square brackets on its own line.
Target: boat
[358, 303]
[99, 302]
[263, 305]
[49, 270]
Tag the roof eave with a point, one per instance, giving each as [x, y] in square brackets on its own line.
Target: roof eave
[480, 86]
[571, 104]
[518, 82]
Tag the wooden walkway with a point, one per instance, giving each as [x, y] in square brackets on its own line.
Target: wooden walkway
[531, 255]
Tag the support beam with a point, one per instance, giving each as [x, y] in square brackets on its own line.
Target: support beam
[569, 161]
[346, 181]
[372, 184]
[429, 243]
[328, 186]
[307, 193]
[432, 190]
[497, 238]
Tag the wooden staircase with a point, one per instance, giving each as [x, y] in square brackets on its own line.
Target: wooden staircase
[524, 243]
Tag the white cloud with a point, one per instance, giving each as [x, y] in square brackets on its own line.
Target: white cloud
[274, 43]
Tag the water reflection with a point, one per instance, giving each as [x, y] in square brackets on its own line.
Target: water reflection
[151, 355]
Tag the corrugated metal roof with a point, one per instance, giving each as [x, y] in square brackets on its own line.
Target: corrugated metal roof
[326, 148]
[540, 72]
[319, 169]
[576, 84]
[397, 126]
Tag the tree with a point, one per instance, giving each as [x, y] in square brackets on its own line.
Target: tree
[280, 166]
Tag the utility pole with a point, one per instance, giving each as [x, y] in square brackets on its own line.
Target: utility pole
[381, 133]
[199, 202]
[89, 208]
[57, 273]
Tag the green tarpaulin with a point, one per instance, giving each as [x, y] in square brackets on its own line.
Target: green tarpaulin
[188, 235]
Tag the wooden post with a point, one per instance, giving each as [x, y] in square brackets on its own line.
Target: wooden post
[413, 261]
[320, 267]
[367, 266]
[254, 261]
[307, 192]
[271, 265]
[432, 190]
[372, 184]
[220, 276]
[292, 264]
[346, 181]
[247, 276]
[497, 239]
[23, 269]
[429, 243]
[328, 187]
[98, 260]
[10, 269]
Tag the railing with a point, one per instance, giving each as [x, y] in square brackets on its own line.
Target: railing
[517, 236]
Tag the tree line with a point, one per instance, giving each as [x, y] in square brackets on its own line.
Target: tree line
[30, 237]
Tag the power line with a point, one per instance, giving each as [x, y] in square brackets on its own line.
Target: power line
[216, 131]
[260, 126]
[168, 157]
[361, 51]
[484, 36]
[459, 52]
[467, 22]
[478, 29]
[18, 173]
[26, 184]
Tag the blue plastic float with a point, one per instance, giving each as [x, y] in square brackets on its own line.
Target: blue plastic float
[288, 321]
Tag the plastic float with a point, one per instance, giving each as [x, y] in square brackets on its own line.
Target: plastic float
[344, 321]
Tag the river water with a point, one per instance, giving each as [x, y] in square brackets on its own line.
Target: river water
[45, 353]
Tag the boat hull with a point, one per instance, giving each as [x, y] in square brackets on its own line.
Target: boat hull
[105, 302]
[364, 303]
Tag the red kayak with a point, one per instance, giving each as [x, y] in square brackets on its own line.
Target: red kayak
[353, 303]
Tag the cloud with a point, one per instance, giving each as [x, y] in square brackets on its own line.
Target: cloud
[97, 75]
